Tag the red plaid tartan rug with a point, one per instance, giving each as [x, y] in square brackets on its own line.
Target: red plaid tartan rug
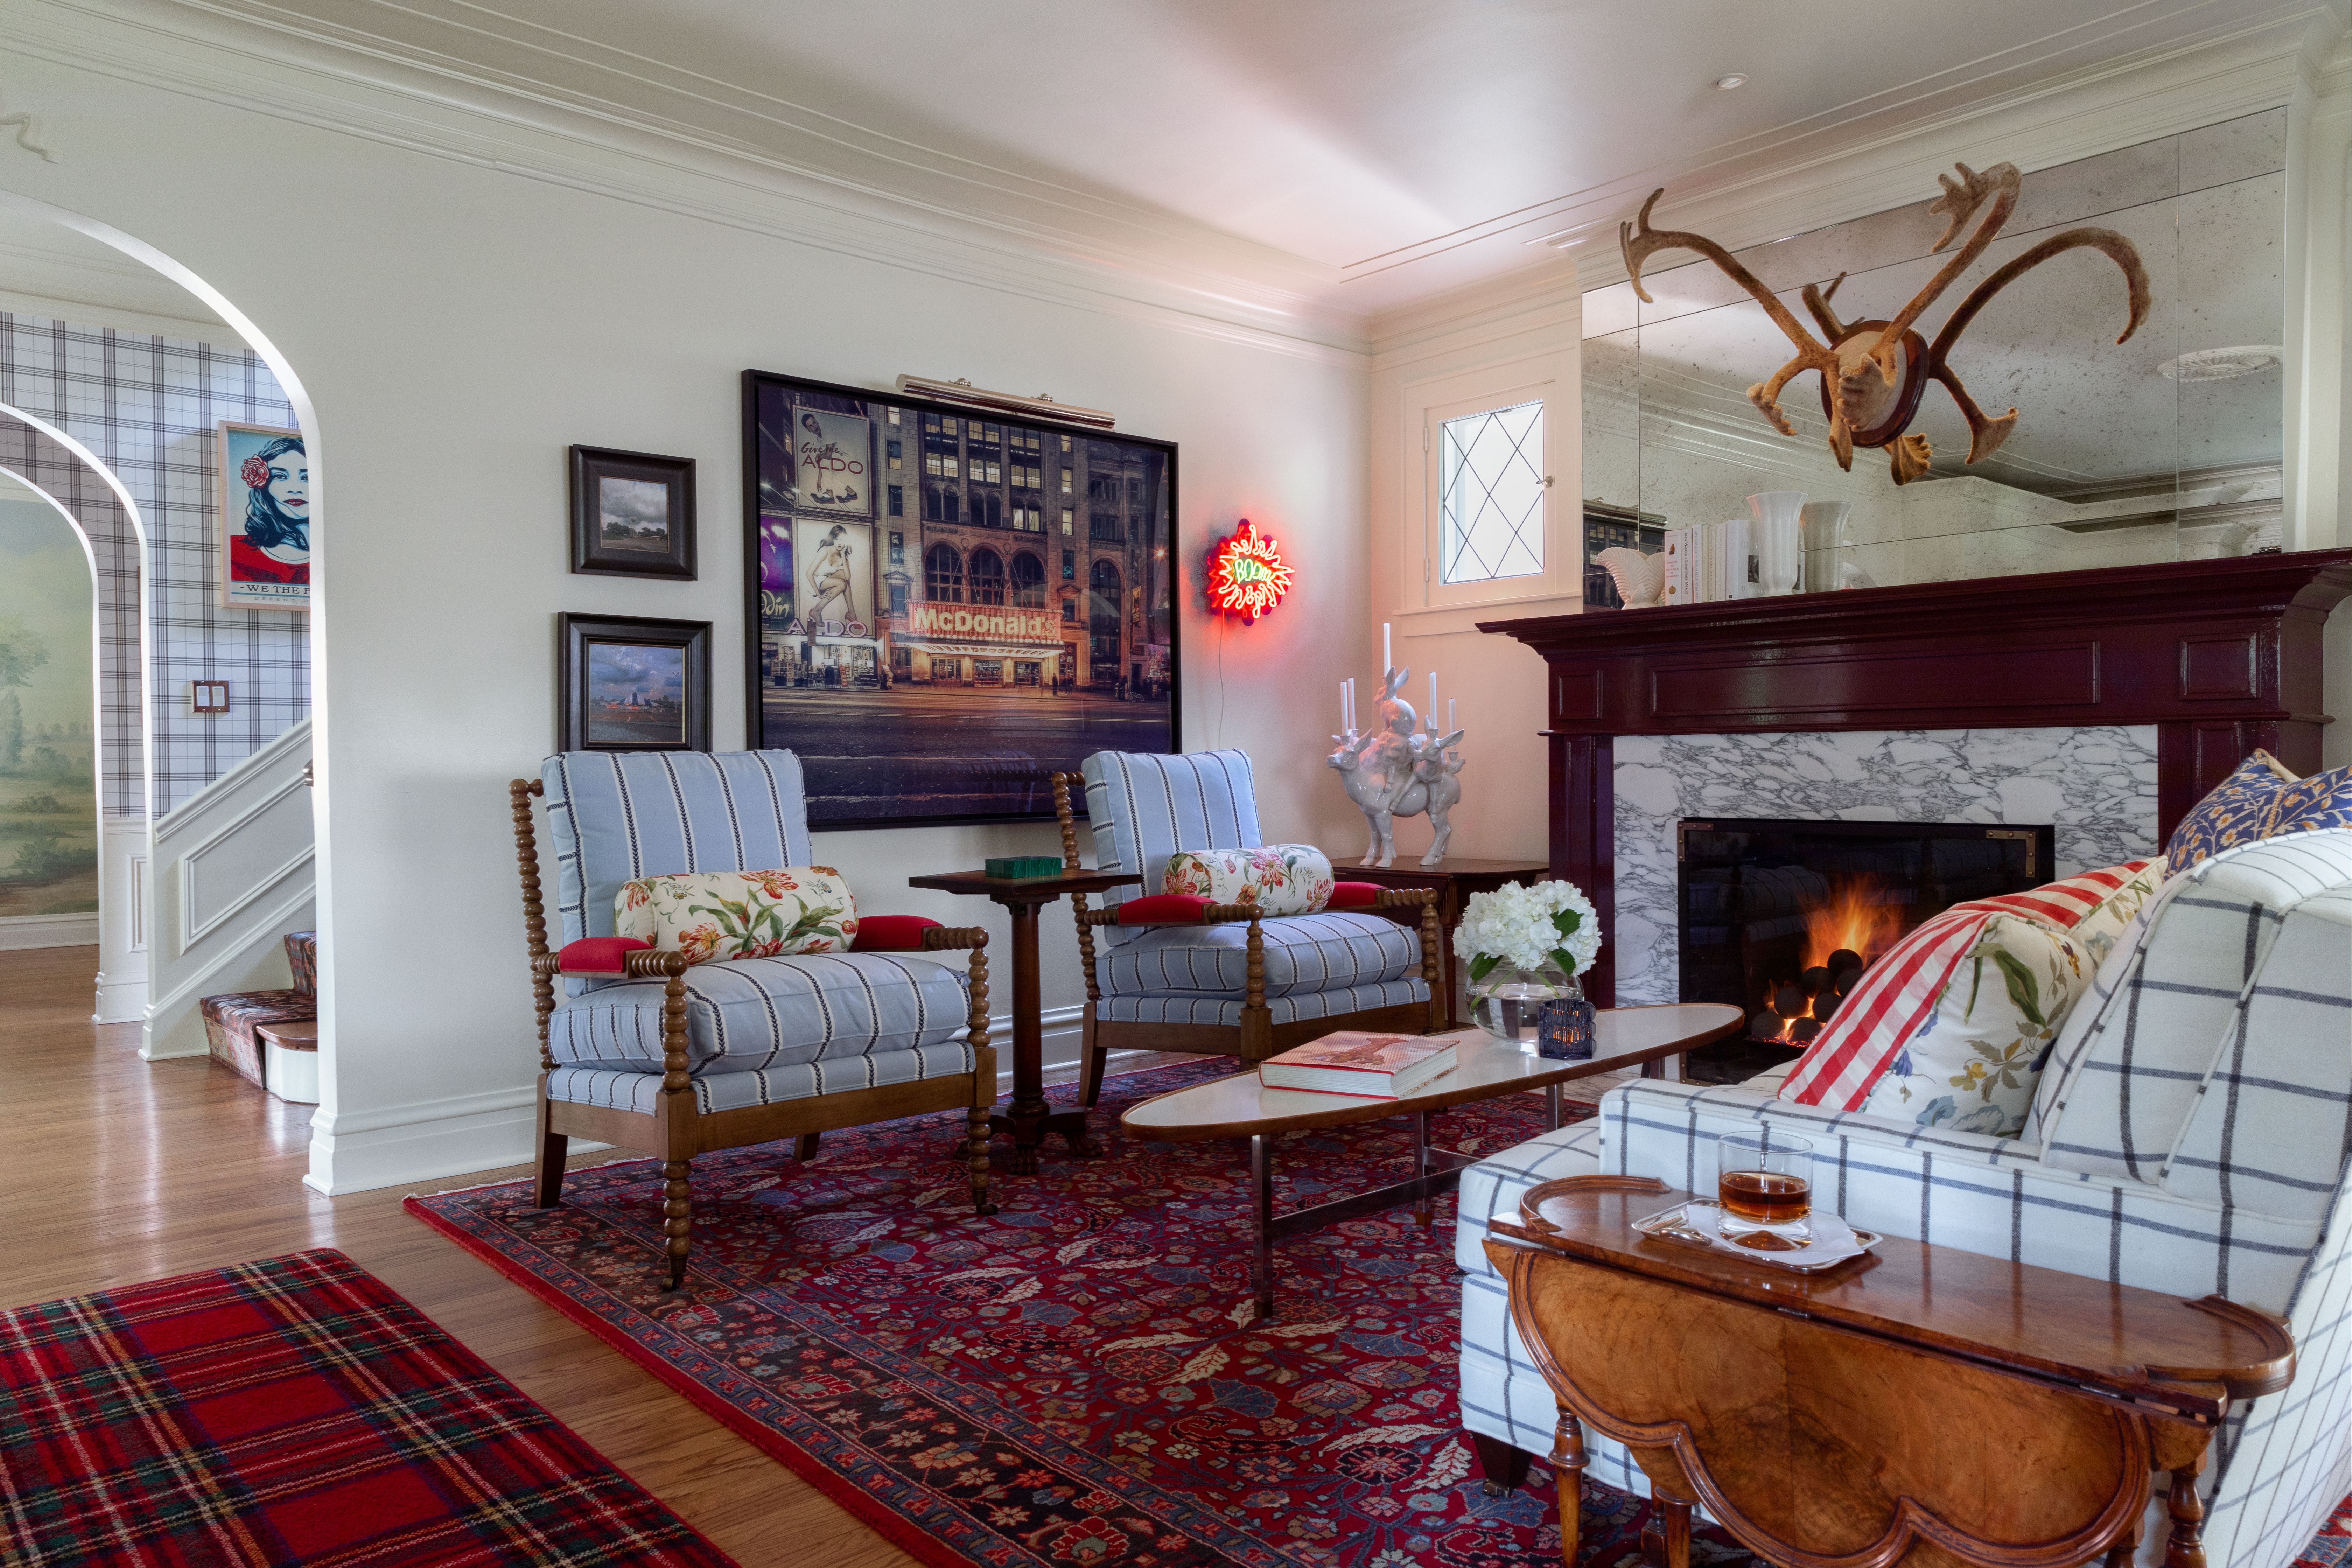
[293, 1411]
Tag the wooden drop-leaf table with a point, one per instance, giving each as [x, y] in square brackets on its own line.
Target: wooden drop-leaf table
[1917, 1400]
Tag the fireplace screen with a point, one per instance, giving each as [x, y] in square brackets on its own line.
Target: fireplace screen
[1780, 918]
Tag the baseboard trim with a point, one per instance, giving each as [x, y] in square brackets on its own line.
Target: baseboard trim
[18, 932]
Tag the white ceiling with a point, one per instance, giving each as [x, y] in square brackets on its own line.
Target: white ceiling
[1324, 160]
[1346, 155]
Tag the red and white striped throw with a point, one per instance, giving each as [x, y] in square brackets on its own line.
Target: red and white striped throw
[1897, 993]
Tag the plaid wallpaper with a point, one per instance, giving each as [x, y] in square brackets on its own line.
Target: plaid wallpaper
[42, 460]
[147, 407]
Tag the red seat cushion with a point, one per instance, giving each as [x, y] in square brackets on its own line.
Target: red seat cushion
[599, 954]
[1159, 908]
[1354, 895]
[891, 933]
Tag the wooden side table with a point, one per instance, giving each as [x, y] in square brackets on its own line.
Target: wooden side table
[1453, 880]
[1027, 1116]
[1994, 1414]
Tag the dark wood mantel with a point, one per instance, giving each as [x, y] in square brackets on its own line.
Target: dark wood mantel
[2221, 656]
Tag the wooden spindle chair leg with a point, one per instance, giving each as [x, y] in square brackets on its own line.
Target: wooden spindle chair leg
[677, 1222]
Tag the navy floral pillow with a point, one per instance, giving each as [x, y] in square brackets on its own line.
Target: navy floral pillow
[2260, 800]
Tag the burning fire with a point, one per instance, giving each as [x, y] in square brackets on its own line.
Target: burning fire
[1854, 919]
[1842, 936]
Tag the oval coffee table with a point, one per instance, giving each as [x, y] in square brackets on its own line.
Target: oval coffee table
[1239, 1106]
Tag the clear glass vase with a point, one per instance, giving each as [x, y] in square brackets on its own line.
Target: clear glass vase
[1509, 1000]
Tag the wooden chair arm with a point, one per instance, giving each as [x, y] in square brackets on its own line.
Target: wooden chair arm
[1404, 898]
[938, 937]
[1213, 915]
[644, 963]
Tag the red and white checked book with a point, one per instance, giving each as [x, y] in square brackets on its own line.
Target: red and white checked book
[1370, 1066]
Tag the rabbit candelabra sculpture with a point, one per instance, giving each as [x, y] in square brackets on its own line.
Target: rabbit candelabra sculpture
[1396, 769]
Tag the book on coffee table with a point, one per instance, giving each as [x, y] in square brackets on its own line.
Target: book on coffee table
[1370, 1066]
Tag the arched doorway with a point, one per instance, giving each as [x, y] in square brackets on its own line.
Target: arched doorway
[93, 503]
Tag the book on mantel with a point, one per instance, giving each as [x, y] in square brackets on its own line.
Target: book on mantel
[1370, 1066]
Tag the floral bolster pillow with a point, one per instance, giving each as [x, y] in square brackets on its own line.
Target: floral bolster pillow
[715, 915]
[1279, 879]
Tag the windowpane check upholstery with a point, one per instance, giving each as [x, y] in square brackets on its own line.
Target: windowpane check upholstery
[2199, 1116]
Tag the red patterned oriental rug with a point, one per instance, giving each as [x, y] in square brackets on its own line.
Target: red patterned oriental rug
[293, 1411]
[1069, 1384]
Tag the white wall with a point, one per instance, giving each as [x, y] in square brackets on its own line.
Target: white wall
[452, 329]
[1491, 338]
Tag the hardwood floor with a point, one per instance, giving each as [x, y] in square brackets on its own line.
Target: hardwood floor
[113, 1169]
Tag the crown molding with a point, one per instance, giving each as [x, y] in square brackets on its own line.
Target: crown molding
[1513, 309]
[179, 46]
[613, 125]
[2247, 71]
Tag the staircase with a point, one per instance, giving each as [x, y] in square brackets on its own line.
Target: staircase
[272, 1036]
[231, 875]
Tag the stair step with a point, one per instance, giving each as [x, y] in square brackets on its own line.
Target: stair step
[233, 1021]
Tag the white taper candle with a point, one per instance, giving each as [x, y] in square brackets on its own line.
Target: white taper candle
[1450, 725]
[1388, 659]
[1343, 705]
[1432, 714]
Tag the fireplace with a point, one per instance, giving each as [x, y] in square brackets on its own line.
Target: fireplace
[1780, 918]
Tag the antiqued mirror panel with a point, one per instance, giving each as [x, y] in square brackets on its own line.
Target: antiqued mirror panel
[2168, 445]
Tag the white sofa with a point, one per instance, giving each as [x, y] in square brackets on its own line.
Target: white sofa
[2190, 1133]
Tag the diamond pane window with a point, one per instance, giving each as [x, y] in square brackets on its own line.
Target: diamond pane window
[1491, 495]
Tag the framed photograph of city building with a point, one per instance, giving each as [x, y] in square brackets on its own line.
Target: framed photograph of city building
[630, 683]
[949, 605]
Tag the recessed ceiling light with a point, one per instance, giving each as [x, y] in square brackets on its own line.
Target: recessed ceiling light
[2223, 365]
[1725, 83]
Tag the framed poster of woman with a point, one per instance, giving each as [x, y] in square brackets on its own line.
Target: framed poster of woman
[264, 519]
[951, 604]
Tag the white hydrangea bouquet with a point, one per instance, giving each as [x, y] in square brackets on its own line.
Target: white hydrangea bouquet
[1524, 946]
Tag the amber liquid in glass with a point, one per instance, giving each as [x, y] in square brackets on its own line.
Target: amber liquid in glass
[1763, 1198]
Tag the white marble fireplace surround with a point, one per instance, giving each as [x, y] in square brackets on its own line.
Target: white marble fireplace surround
[2095, 787]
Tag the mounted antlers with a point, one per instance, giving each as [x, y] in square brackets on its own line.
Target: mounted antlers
[1874, 373]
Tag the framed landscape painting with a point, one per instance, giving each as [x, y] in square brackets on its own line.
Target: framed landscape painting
[633, 684]
[632, 514]
[949, 605]
[264, 517]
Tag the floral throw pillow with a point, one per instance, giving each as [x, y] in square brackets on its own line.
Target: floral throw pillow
[1279, 879]
[1974, 1062]
[715, 915]
[2261, 799]
[1951, 1025]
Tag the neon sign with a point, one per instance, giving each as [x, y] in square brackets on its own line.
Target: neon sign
[1247, 576]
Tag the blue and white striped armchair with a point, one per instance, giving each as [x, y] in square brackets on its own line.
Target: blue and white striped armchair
[2191, 1133]
[650, 1053]
[1233, 983]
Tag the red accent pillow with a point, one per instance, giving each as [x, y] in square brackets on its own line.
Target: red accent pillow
[1354, 895]
[892, 933]
[599, 954]
[1162, 907]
